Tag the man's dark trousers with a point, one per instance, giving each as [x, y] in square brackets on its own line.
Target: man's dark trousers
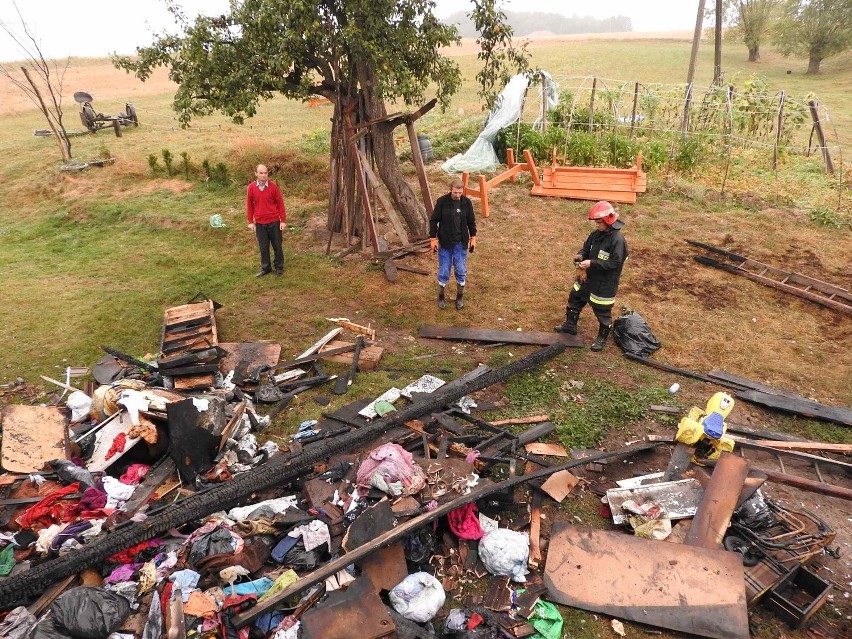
[270, 234]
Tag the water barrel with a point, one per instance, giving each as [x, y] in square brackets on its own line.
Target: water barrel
[425, 145]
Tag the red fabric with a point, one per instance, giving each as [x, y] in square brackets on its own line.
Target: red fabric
[474, 621]
[238, 603]
[266, 206]
[134, 474]
[126, 556]
[118, 445]
[464, 522]
[50, 510]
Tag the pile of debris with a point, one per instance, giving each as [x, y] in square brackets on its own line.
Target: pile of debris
[148, 506]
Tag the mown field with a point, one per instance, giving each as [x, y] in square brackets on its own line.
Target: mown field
[94, 257]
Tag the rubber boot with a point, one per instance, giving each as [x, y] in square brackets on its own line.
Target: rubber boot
[460, 297]
[570, 324]
[603, 333]
[442, 302]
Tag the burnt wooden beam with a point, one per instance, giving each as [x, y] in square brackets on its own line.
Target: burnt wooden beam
[459, 333]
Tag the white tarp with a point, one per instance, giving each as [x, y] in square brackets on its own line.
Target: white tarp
[507, 109]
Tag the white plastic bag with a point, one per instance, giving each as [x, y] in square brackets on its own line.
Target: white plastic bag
[418, 597]
[505, 552]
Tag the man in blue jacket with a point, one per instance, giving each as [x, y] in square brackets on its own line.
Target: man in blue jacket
[452, 229]
[601, 260]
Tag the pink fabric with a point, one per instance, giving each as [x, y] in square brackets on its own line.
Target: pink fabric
[472, 456]
[134, 474]
[464, 522]
[395, 464]
[124, 572]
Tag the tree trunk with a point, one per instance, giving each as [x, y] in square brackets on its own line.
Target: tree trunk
[387, 165]
[813, 65]
[754, 54]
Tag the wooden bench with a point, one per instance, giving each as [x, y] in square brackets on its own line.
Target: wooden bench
[591, 183]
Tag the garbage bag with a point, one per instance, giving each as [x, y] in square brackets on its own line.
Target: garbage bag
[547, 620]
[69, 472]
[755, 513]
[418, 597]
[419, 546]
[505, 553]
[89, 613]
[632, 333]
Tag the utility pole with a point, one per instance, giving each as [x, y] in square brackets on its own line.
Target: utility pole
[696, 38]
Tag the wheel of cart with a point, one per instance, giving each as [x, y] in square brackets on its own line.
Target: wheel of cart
[130, 111]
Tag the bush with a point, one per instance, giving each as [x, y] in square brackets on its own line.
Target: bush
[184, 160]
[153, 163]
[446, 144]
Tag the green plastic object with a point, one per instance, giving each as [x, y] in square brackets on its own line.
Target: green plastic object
[217, 222]
[383, 408]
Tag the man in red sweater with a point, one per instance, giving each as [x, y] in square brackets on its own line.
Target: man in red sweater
[266, 217]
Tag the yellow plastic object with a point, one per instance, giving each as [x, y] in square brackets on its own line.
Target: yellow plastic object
[705, 429]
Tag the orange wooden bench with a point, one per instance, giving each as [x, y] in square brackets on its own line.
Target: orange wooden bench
[318, 100]
[591, 183]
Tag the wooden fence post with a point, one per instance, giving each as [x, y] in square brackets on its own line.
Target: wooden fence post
[633, 114]
[686, 104]
[778, 130]
[592, 103]
[814, 107]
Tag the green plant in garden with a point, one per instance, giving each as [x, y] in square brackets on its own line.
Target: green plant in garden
[581, 149]
[153, 163]
[689, 154]
[168, 160]
[208, 169]
[620, 150]
[824, 216]
[655, 154]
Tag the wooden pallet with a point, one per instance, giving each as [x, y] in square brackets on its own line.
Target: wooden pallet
[187, 328]
[791, 282]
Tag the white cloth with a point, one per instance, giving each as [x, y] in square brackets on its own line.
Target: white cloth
[117, 492]
[278, 505]
[314, 534]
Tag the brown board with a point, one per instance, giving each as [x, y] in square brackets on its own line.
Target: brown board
[493, 336]
[32, 435]
[681, 588]
[250, 354]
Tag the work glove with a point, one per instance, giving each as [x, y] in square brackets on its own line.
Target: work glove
[472, 246]
[433, 244]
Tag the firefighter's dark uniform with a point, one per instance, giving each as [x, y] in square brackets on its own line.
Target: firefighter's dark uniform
[607, 251]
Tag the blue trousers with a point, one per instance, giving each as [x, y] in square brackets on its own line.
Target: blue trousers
[455, 257]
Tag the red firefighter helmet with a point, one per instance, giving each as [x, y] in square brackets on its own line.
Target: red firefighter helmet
[603, 211]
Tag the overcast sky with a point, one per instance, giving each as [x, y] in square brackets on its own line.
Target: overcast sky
[94, 28]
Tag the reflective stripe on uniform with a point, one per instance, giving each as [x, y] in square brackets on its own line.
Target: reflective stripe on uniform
[576, 286]
[601, 301]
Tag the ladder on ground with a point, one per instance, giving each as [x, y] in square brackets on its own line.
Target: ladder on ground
[835, 297]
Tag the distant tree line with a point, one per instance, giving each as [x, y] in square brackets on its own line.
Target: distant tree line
[526, 23]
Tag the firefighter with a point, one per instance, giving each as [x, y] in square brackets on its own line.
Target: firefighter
[600, 260]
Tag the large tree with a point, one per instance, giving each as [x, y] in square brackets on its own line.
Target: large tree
[356, 53]
[816, 29]
[752, 20]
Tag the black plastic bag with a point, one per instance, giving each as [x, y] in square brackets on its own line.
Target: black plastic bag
[89, 613]
[632, 333]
